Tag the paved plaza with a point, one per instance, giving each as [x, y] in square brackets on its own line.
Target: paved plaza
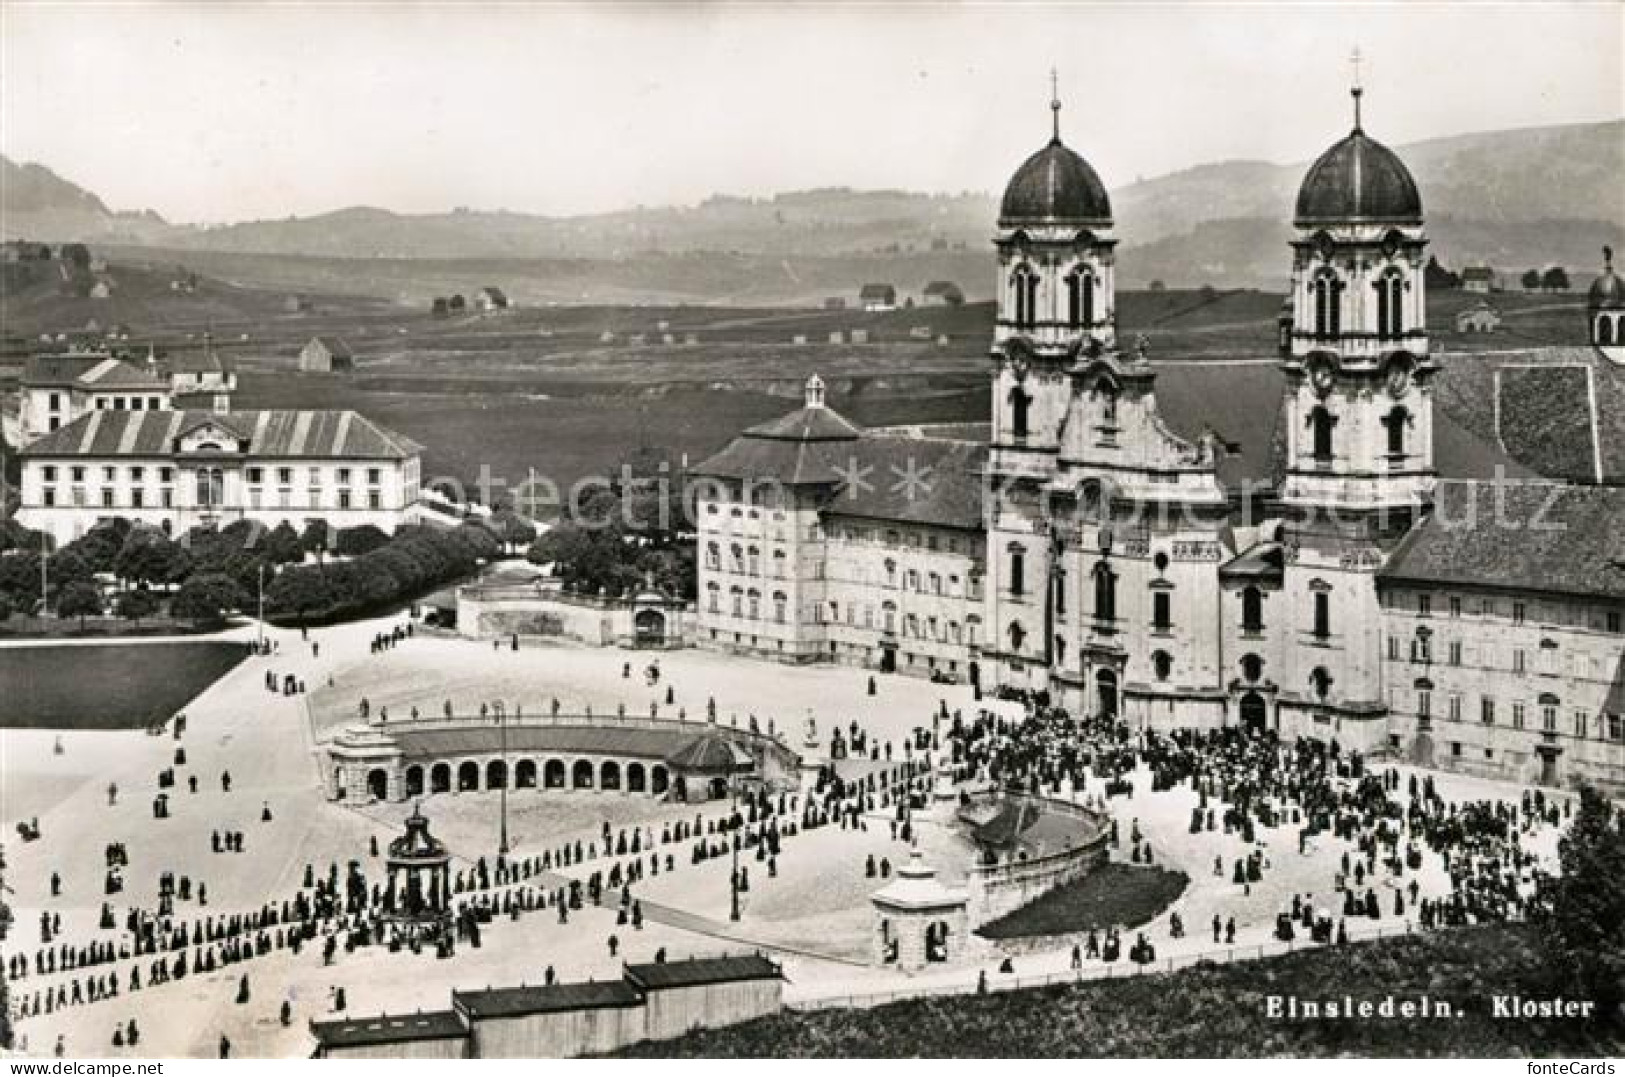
[814, 915]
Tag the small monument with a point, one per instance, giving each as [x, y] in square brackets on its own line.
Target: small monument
[918, 921]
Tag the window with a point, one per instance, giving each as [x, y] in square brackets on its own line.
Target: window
[1548, 717]
[1162, 611]
[755, 561]
[78, 474]
[1424, 605]
[284, 475]
[713, 556]
[1252, 667]
[1162, 665]
[1486, 710]
[1105, 593]
[779, 603]
[256, 475]
[1390, 304]
[1321, 423]
[1326, 294]
[737, 554]
[1517, 613]
[1455, 605]
[1020, 399]
[1252, 610]
[738, 602]
[344, 499]
[713, 598]
[138, 474]
[1455, 707]
[1024, 295]
[48, 473]
[136, 498]
[375, 500]
[109, 474]
[1080, 299]
[49, 495]
[1517, 716]
[1613, 621]
[1424, 703]
[1060, 590]
[1455, 652]
[1018, 570]
[1018, 635]
[1323, 615]
[1393, 648]
[1518, 660]
[374, 476]
[1395, 422]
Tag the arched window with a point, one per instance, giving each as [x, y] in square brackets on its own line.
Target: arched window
[755, 561]
[755, 604]
[1395, 422]
[1252, 610]
[888, 616]
[1252, 667]
[973, 631]
[1018, 635]
[1605, 330]
[738, 607]
[1321, 682]
[715, 597]
[1018, 569]
[1323, 615]
[1105, 593]
[1390, 304]
[778, 606]
[1024, 296]
[1321, 423]
[1162, 665]
[1020, 400]
[1326, 293]
[1080, 299]
[713, 556]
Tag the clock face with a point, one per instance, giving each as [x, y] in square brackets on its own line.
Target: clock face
[1399, 379]
[1321, 376]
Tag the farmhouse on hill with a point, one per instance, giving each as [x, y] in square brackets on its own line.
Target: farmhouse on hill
[943, 293]
[491, 298]
[1478, 279]
[329, 356]
[878, 297]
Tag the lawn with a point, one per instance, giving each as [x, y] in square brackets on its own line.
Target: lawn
[1115, 895]
[1208, 1011]
[111, 686]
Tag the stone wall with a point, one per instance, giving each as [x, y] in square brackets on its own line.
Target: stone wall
[1002, 888]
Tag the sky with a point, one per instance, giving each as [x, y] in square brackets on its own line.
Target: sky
[211, 113]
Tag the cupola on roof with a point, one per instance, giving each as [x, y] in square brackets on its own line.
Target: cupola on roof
[1358, 181]
[1055, 186]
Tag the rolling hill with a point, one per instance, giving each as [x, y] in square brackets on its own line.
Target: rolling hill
[1514, 199]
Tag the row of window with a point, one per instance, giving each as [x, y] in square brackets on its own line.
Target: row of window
[120, 403]
[1606, 726]
[1573, 616]
[1326, 297]
[1080, 288]
[137, 473]
[1552, 661]
[210, 494]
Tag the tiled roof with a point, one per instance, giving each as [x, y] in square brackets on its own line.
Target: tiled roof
[1560, 411]
[1538, 537]
[915, 480]
[88, 372]
[434, 1025]
[336, 347]
[699, 971]
[807, 424]
[345, 435]
[710, 753]
[545, 998]
[205, 361]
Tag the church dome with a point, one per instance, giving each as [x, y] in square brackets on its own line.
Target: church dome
[1055, 186]
[1359, 180]
[1607, 291]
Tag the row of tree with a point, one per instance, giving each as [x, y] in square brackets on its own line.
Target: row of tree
[415, 559]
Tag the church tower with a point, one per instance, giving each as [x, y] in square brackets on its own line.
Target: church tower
[1359, 406]
[1359, 470]
[1056, 304]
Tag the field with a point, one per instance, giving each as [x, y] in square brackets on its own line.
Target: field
[1116, 895]
[1209, 1011]
[115, 686]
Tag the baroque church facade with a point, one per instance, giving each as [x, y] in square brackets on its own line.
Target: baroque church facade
[1297, 570]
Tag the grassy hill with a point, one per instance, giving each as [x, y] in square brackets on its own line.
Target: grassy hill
[1205, 1012]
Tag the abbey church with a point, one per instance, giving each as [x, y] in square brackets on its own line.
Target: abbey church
[1303, 544]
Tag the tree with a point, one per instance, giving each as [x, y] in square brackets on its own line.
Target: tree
[316, 538]
[68, 566]
[1581, 912]
[512, 529]
[135, 605]
[79, 598]
[150, 557]
[282, 545]
[206, 596]
[354, 541]
[300, 590]
[1555, 279]
[76, 254]
[1531, 280]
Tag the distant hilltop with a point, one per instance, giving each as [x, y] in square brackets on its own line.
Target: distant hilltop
[1533, 196]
